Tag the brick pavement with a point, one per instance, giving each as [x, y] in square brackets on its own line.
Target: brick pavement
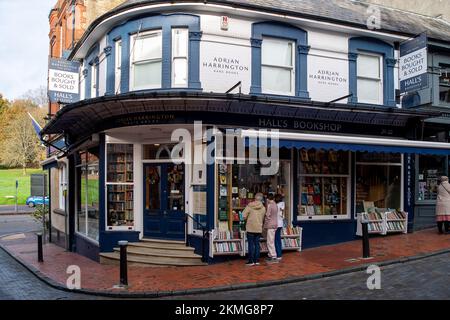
[98, 277]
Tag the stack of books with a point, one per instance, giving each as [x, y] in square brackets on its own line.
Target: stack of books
[227, 246]
[290, 243]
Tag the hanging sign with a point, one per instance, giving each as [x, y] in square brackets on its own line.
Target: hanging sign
[414, 64]
[63, 81]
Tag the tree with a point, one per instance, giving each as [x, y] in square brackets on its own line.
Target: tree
[38, 96]
[4, 103]
[21, 146]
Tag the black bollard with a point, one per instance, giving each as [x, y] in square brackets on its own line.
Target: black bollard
[365, 239]
[40, 252]
[123, 263]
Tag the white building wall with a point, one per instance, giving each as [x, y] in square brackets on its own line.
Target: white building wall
[225, 55]
[328, 77]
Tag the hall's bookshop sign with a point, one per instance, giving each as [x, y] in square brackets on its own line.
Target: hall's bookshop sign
[63, 81]
[414, 64]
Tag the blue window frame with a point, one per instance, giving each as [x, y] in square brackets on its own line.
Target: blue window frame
[365, 45]
[165, 23]
[298, 37]
[91, 67]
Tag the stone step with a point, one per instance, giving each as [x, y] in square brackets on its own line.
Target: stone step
[161, 245]
[145, 260]
[161, 252]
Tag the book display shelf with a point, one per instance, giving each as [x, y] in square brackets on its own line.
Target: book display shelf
[120, 189]
[291, 240]
[383, 222]
[226, 243]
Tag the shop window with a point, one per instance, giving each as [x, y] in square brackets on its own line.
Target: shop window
[87, 222]
[180, 41]
[146, 60]
[117, 66]
[378, 181]
[324, 184]
[370, 75]
[237, 187]
[278, 66]
[430, 169]
[120, 187]
[444, 85]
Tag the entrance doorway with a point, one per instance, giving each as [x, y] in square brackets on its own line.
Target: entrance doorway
[164, 206]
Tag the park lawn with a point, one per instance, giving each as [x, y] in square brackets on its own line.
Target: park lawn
[8, 179]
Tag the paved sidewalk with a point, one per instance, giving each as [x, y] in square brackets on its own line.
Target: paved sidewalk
[11, 210]
[160, 281]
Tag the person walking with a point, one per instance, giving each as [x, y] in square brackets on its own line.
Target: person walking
[254, 214]
[271, 225]
[443, 205]
[280, 223]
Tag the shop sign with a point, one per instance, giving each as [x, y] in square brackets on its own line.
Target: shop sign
[222, 65]
[414, 64]
[63, 81]
[327, 78]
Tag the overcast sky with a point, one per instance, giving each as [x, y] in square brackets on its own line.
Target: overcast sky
[23, 45]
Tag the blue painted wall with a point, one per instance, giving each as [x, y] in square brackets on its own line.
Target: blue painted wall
[87, 248]
[92, 61]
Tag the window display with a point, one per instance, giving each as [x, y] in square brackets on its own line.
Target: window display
[87, 194]
[378, 180]
[430, 168]
[120, 188]
[237, 187]
[323, 184]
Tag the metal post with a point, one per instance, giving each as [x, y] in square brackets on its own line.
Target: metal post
[365, 239]
[40, 253]
[123, 263]
[16, 208]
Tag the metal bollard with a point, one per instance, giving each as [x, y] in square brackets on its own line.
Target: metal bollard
[40, 252]
[365, 239]
[123, 263]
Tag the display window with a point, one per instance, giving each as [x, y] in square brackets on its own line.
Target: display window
[324, 184]
[378, 182]
[430, 169]
[237, 186]
[87, 219]
[120, 186]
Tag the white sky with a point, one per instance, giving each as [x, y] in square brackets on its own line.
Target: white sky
[23, 45]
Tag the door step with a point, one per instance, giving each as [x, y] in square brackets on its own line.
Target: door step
[145, 260]
[155, 253]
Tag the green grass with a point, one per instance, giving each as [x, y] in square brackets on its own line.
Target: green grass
[8, 179]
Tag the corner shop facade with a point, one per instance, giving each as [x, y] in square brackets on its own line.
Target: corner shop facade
[149, 70]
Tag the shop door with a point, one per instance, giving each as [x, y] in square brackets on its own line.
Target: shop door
[164, 216]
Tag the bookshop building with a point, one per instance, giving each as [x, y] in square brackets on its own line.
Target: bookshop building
[150, 74]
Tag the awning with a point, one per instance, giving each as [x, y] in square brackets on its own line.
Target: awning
[345, 143]
[80, 120]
